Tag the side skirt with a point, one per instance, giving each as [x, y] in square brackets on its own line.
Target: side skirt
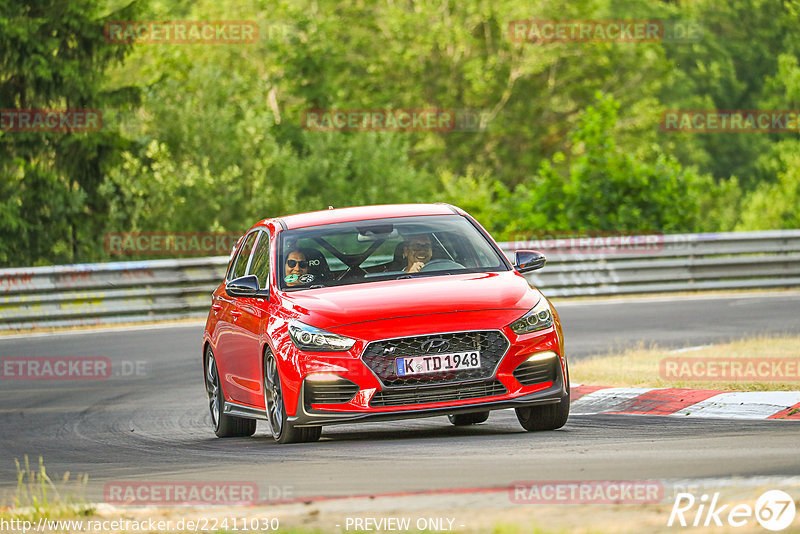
[239, 410]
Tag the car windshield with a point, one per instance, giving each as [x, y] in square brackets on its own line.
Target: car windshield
[384, 249]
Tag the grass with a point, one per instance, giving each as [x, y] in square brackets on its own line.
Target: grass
[37, 495]
[640, 367]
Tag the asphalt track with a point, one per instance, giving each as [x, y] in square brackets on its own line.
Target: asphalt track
[152, 425]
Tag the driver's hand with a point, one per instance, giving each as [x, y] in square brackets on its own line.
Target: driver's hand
[416, 267]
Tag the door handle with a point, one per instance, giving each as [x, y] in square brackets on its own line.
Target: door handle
[216, 307]
[236, 314]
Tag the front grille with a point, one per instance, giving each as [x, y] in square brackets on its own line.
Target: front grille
[424, 394]
[529, 373]
[339, 392]
[380, 356]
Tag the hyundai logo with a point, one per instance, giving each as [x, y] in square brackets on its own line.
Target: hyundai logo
[436, 344]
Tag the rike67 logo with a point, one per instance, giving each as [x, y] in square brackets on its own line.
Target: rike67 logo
[774, 510]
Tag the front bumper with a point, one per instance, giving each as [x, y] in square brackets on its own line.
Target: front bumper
[305, 417]
[379, 395]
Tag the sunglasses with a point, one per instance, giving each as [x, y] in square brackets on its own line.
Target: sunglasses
[292, 263]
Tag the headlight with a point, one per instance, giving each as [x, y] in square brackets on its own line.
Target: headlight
[307, 337]
[539, 318]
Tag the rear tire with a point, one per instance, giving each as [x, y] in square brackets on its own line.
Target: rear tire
[225, 426]
[465, 419]
[547, 416]
[281, 428]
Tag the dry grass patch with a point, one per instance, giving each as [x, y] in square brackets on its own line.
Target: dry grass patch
[37, 495]
[640, 367]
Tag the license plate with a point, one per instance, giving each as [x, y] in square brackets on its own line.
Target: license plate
[436, 363]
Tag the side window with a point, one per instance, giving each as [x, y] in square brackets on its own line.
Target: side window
[232, 262]
[244, 255]
[260, 266]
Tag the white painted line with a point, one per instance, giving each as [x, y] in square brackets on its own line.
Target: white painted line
[560, 302]
[689, 349]
[742, 405]
[734, 482]
[102, 330]
[605, 400]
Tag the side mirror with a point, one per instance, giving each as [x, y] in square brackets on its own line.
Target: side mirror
[528, 260]
[244, 286]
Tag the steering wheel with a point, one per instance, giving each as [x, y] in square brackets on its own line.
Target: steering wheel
[440, 265]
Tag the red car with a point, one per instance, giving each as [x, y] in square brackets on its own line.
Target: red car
[379, 312]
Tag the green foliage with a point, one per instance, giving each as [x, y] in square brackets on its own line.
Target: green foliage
[53, 56]
[478, 195]
[209, 137]
[731, 66]
[775, 205]
[597, 186]
[331, 170]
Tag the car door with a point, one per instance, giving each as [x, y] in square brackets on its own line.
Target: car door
[219, 318]
[230, 333]
[249, 314]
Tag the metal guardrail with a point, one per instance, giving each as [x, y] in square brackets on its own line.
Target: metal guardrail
[678, 262]
[104, 293]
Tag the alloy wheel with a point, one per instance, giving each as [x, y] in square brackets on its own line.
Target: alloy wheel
[212, 388]
[273, 399]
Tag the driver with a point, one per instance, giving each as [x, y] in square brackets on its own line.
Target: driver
[296, 269]
[417, 251]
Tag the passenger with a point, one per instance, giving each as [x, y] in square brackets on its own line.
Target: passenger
[417, 251]
[296, 273]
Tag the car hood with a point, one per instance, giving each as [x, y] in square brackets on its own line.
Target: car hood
[375, 301]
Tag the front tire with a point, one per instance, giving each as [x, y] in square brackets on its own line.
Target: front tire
[465, 419]
[547, 416]
[225, 426]
[281, 428]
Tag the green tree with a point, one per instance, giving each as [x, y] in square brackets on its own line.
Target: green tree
[731, 65]
[53, 56]
[597, 186]
[774, 205]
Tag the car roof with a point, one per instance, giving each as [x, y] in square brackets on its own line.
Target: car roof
[362, 213]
